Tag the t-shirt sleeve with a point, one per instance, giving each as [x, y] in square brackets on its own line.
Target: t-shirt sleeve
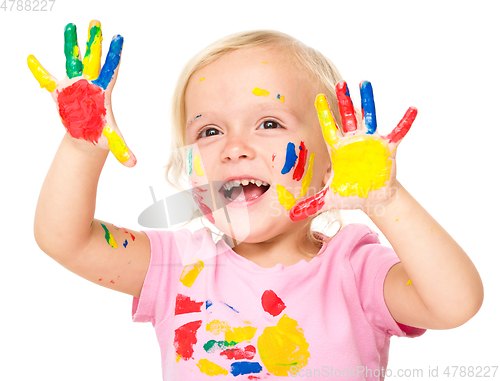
[371, 262]
[158, 291]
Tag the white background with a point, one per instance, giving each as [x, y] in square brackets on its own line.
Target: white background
[440, 56]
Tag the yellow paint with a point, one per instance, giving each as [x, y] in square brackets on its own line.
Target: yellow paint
[191, 272]
[281, 98]
[409, 282]
[116, 144]
[217, 326]
[326, 120]
[265, 62]
[283, 346]
[260, 92]
[239, 334]
[41, 75]
[211, 369]
[197, 166]
[201, 79]
[92, 62]
[361, 164]
[306, 181]
[285, 197]
[177, 357]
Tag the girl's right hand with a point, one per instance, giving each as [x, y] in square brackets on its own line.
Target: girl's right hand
[83, 97]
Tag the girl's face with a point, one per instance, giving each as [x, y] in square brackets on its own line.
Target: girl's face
[251, 116]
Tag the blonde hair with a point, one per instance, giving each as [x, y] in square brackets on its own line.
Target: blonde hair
[316, 64]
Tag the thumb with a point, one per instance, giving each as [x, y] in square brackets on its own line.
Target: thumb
[118, 147]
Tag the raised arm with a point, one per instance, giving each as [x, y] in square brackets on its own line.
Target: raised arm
[65, 227]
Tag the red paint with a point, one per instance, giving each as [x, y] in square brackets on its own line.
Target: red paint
[207, 212]
[299, 169]
[185, 339]
[253, 377]
[239, 354]
[82, 111]
[346, 108]
[274, 156]
[403, 127]
[184, 305]
[100, 279]
[133, 238]
[309, 206]
[112, 281]
[272, 303]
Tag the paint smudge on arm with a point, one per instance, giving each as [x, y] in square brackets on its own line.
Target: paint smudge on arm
[109, 237]
[291, 158]
[125, 244]
[409, 282]
[191, 272]
[260, 92]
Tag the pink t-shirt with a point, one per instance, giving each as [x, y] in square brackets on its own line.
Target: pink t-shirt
[218, 314]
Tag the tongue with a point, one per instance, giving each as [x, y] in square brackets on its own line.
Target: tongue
[250, 192]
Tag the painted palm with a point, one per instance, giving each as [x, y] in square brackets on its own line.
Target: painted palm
[363, 162]
[83, 97]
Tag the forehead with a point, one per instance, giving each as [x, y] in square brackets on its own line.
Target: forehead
[259, 76]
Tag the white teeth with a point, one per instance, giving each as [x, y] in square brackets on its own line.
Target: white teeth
[236, 183]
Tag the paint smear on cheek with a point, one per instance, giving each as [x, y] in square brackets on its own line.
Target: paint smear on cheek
[260, 92]
[285, 198]
[210, 369]
[185, 338]
[299, 169]
[360, 167]
[82, 111]
[291, 158]
[306, 182]
[283, 346]
[109, 237]
[191, 272]
[197, 166]
[309, 206]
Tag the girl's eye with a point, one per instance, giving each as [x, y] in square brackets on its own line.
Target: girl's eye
[269, 124]
[209, 132]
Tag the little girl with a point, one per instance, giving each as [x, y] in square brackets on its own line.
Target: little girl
[265, 154]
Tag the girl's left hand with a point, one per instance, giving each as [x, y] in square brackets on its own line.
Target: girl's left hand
[363, 162]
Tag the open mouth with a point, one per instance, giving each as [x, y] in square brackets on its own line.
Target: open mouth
[244, 190]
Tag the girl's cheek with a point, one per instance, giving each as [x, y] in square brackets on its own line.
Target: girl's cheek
[298, 166]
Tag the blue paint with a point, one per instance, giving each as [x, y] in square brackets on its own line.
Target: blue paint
[125, 244]
[197, 116]
[368, 107]
[232, 308]
[245, 367]
[291, 158]
[112, 62]
[208, 303]
[190, 162]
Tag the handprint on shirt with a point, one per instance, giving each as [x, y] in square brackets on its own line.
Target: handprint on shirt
[83, 98]
[363, 162]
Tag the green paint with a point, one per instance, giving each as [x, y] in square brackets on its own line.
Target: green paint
[73, 64]
[209, 345]
[91, 223]
[109, 238]
[190, 161]
[95, 32]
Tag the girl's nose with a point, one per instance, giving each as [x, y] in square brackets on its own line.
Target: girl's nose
[236, 148]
